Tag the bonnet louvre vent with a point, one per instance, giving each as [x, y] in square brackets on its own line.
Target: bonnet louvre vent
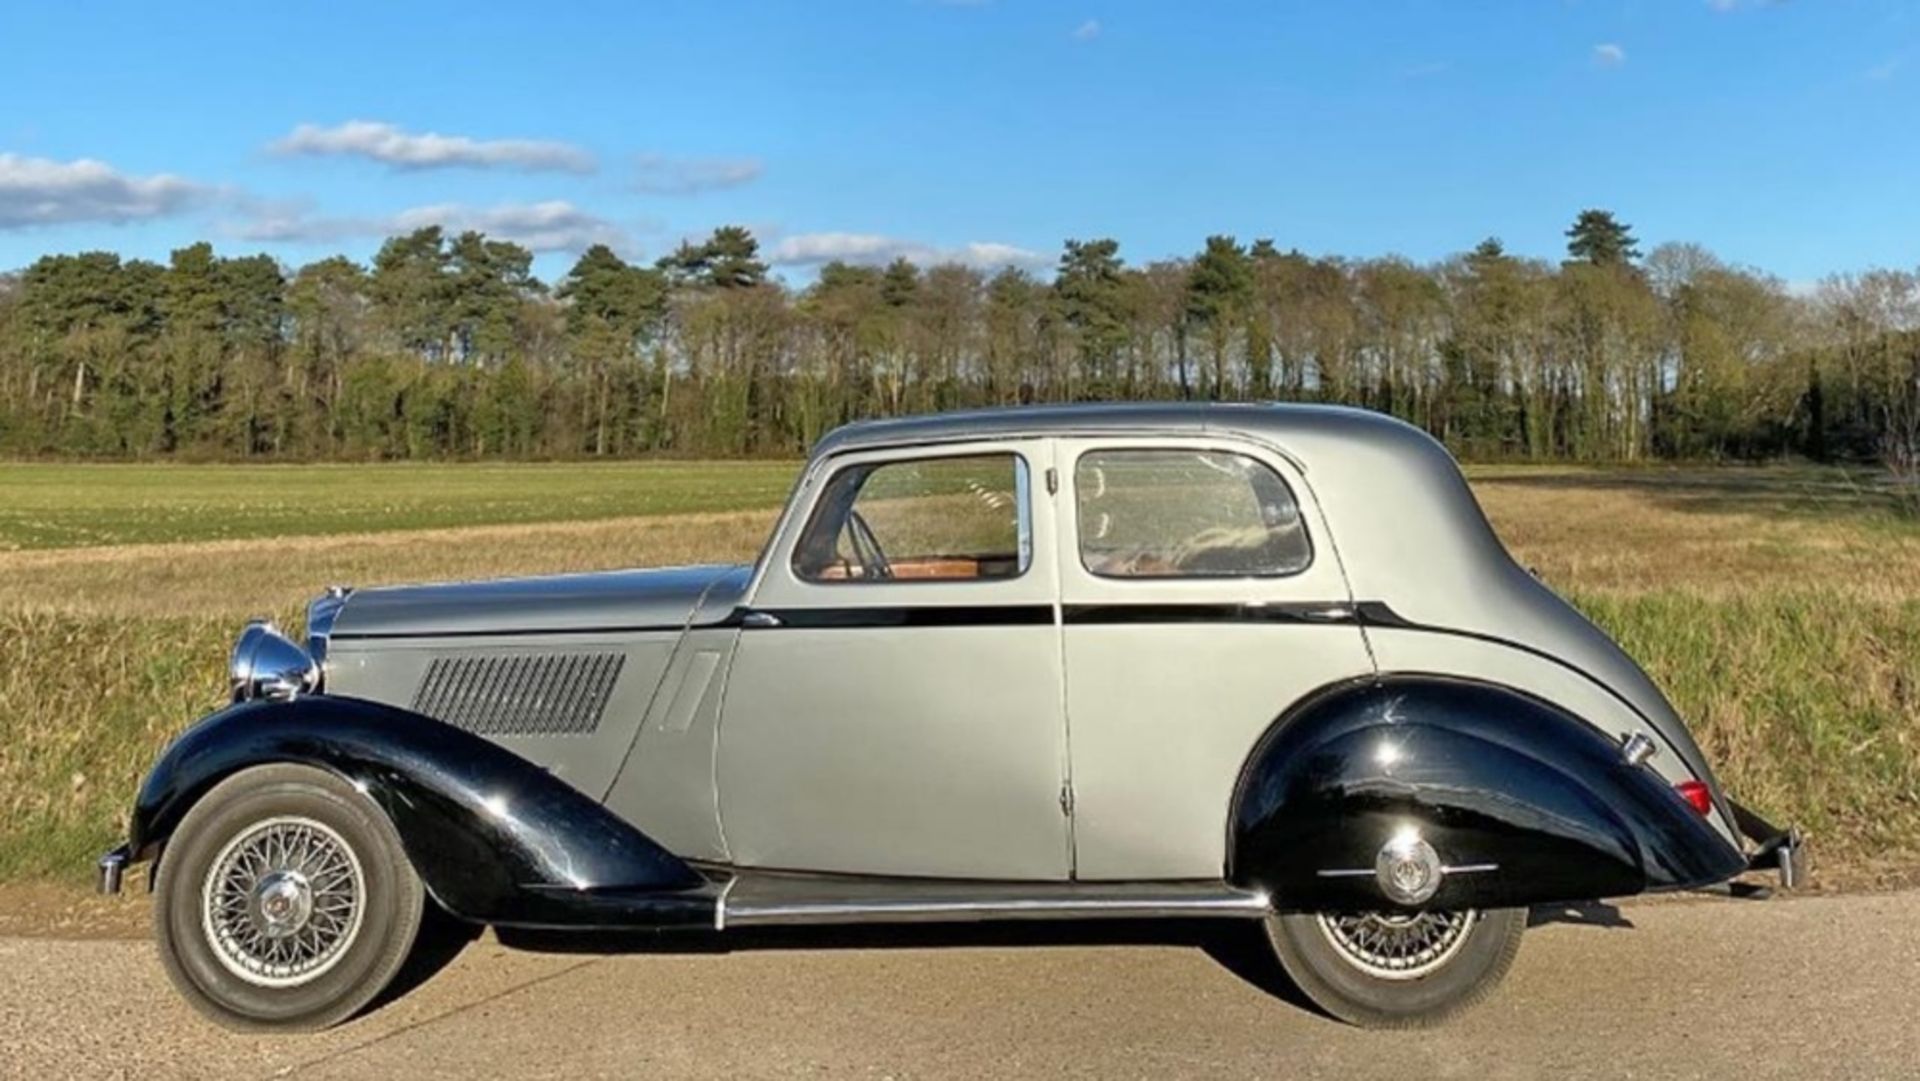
[539, 694]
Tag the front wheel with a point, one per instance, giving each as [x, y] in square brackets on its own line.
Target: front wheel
[284, 901]
[1395, 969]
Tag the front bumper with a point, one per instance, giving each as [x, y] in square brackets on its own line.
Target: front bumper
[113, 868]
[1776, 851]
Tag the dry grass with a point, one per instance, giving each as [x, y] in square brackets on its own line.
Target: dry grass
[1719, 534]
[244, 577]
[1780, 609]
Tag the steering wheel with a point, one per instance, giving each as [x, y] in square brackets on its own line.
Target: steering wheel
[873, 561]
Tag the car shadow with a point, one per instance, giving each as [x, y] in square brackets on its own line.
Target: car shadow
[442, 938]
[1239, 947]
[1585, 914]
[1235, 945]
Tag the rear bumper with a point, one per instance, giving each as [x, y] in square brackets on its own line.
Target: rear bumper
[1776, 851]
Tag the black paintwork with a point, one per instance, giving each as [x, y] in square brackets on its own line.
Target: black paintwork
[496, 838]
[929, 615]
[1488, 774]
[1319, 613]
[514, 632]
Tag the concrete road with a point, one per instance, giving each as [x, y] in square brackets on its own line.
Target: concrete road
[1813, 987]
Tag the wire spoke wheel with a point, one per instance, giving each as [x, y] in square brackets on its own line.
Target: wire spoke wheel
[283, 901]
[1397, 945]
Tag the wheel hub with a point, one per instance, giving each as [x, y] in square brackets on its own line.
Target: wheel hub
[282, 903]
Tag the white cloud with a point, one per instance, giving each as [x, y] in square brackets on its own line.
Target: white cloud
[657, 174]
[870, 249]
[1725, 7]
[38, 191]
[1880, 73]
[1087, 31]
[390, 145]
[1609, 55]
[555, 225]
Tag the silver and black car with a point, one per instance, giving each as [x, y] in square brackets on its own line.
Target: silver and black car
[1252, 662]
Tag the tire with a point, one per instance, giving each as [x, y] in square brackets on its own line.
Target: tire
[284, 901]
[1356, 966]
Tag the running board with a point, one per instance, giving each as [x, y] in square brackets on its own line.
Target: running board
[766, 900]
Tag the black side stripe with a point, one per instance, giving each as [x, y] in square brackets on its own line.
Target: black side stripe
[987, 615]
[1318, 613]
[514, 632]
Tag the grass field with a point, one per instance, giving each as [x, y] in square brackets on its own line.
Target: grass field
[1780, 608]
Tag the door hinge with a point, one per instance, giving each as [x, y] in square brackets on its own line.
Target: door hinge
[1053, 481]
[1066, 799]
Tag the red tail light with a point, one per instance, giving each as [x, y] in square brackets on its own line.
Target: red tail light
[1696, 795]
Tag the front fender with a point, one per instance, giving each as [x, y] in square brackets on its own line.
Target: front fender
[1540, 805]
[495, 838]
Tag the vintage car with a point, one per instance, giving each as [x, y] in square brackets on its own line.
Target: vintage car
[1255, 662]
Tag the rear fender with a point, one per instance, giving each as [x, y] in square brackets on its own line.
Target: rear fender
[495, 838]
[1522, 802]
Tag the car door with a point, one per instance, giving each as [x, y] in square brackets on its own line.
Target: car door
[895, 703]
[1201, 596]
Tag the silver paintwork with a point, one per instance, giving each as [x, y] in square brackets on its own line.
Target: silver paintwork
[658, 599]
[321, 614]
[936, 751]
[1039, 752]
[1161, 718]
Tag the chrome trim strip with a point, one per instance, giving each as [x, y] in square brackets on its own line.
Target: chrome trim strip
[1447, 869]
[1227, 903]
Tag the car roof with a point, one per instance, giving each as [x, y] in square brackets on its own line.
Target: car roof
[1274, 421]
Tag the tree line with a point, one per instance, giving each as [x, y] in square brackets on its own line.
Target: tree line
[449, 346]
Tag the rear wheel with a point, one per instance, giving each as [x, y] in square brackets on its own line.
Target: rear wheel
[284, 901]
[1397, 969]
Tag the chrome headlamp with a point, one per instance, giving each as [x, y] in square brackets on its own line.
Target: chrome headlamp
[268, 664]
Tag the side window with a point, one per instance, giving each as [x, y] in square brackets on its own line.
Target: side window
[1186, 514]
[925, 520]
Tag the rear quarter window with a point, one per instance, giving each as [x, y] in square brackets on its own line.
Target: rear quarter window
[1172, 513]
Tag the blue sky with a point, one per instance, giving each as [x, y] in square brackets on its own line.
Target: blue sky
[1784, 135]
